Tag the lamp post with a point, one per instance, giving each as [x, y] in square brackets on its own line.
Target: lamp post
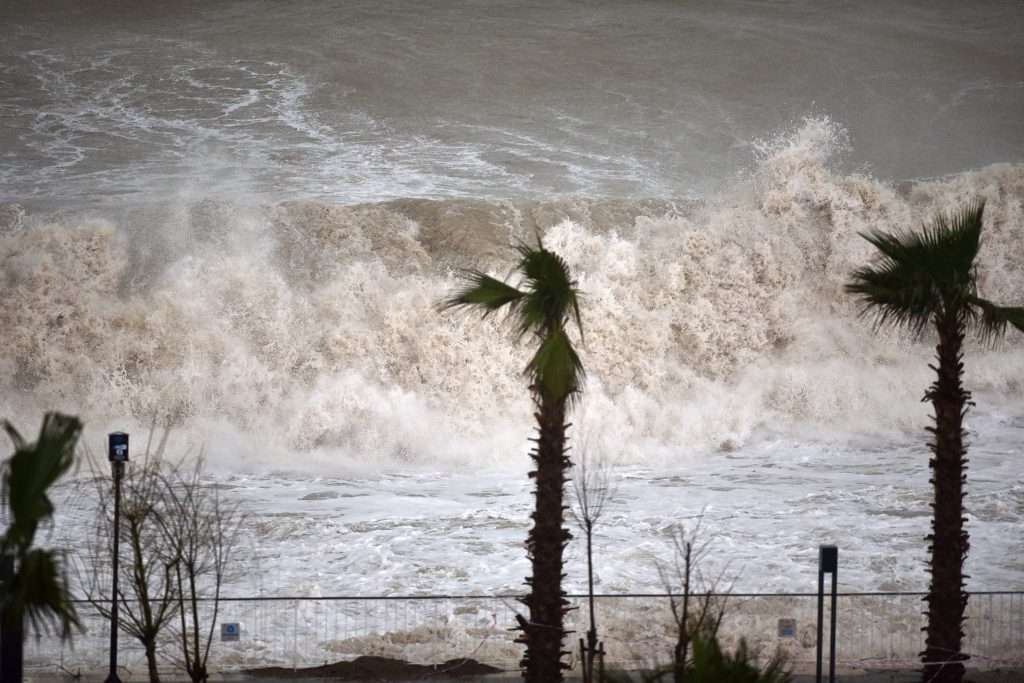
[117, 453]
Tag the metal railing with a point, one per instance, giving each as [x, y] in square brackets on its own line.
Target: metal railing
[875, 630]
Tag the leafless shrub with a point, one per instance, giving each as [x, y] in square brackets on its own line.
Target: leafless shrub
[696, 600]
[205, 532]
[593, 489]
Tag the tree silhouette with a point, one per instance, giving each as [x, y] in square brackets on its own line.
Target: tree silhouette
[921, 279]
[36, 590]
[542, 307]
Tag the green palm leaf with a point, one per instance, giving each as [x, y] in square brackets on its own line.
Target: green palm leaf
[31, 471]
[39, 591]
[484, 292]
[543, 305]
[557, 365]
[991, 320]
[923, 276]
[553, 297]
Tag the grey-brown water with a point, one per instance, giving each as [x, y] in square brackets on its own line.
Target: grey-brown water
[237, 218]
[365, 101]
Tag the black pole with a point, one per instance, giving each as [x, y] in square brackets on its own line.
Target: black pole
[828, 562]
[832, 634]
[821, 614]
[113, 678]
[118, 455]
[592, 634]
[11, 631]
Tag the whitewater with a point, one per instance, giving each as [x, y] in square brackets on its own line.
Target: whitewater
[213, 222]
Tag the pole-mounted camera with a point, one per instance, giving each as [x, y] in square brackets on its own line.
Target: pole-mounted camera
[117, 452]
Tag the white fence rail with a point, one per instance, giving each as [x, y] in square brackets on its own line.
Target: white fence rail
[875, 630]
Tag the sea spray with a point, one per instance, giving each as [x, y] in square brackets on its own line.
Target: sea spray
[316, 325]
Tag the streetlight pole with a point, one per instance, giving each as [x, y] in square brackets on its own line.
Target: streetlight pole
[117, 453]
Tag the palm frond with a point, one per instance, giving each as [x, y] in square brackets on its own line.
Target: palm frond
[991, 320]
[30, 472]
[924, 274]
[553, 297]
[557, 366]
[39, 591]
[483, 291]
[892, 297]
[16, 438]
[543, 306]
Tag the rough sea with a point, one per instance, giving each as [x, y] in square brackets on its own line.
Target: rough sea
[236, 219]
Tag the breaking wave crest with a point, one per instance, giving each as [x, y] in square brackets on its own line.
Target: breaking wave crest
[271, 331]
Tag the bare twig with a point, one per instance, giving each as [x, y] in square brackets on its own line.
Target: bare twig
[206, 531]
[696, 601]
[593, 490]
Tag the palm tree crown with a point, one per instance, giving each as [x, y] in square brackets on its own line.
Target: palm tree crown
[546, 304]
[929, 276]
[38, 589]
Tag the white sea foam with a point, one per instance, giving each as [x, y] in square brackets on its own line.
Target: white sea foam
[706, 323]
[727, 372]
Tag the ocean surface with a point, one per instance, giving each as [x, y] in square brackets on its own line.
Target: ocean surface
[236, 219]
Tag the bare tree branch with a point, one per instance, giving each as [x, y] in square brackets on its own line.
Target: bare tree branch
[593, 490]
[696, 601]
[206, 532]
[146, 579]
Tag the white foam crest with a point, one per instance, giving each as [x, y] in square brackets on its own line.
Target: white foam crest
[316, 328]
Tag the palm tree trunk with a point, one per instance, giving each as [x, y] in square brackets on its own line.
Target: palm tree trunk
[946, 597]
[543, 634]
[12, 640]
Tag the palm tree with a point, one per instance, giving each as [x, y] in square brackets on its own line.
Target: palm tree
[542, 307]
[37, 588]
[922, 279]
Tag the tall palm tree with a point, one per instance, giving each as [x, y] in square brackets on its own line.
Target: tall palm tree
[922, 279]
[37, 589]
[542, 307]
